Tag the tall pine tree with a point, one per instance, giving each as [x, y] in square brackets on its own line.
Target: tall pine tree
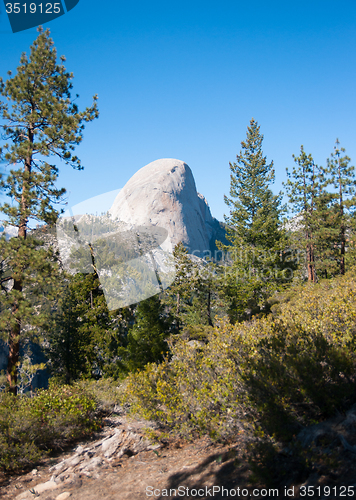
[303, 188]
[254, 230]
[42, 121]
[343, 179]
[146, 340]
[322, 198]
[83, 334]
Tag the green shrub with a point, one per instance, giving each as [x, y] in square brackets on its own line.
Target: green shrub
[105, 391]
[19, 428]
[200, 390]
[279, 373]
[32, 427]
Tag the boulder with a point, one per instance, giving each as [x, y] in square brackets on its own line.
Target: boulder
[163, 194]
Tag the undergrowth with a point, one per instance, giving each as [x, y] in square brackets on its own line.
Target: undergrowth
[32, 427]
[277, 374]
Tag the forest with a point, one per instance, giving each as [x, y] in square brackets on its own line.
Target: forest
[259, 338]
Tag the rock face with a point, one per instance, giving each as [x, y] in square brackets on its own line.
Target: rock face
[163, 194]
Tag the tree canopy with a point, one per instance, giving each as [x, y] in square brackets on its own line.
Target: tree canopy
[40, 120]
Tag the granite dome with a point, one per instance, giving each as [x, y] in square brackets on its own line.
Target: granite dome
[163, 193]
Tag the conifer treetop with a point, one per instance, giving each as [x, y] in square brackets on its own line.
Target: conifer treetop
[254, 210]
[41, 120]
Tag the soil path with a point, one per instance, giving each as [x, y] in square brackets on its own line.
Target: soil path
[121, 464]
[151, 473]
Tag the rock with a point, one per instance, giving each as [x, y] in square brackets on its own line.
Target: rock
[37, 490]
[47, 486]
[67, 478]
[26, 495]
[333, 431]
[64, 495]
[163, 194]
[93, 464]
[75, 461]
[125, 439]
[109, 446]
[314, 433]
[61, 467]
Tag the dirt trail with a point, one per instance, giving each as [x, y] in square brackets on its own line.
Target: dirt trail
[121, 463]
[187, 465]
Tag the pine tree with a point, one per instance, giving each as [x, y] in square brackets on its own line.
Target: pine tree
[303, 188]
[178, 297]
[324, 215]
[192, 298]
[67, 347]
[41, 122]
[146, 342]
[344, 181]
[254, 210]
[206, 294]
[82, 333]
[326, 234]
[254, 230]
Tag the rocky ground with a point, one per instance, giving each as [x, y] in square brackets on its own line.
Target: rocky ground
[122, 463]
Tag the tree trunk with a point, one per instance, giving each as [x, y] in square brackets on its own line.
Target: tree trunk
[14, 336]
[210, 322]
[178, 311]
[310, 263]
[14, 346]
[342, 228]
[342, 257]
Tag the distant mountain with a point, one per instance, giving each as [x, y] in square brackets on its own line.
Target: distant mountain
[9, 231]
[163, 194]
[157, 208]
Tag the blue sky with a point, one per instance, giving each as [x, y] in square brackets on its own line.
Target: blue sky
[182, 80]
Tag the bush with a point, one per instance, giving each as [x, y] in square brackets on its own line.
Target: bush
[201, 390]
[105, 391]
[279, 373]
[30, 428]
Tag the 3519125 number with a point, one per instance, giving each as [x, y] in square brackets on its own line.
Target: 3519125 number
[32, 8]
